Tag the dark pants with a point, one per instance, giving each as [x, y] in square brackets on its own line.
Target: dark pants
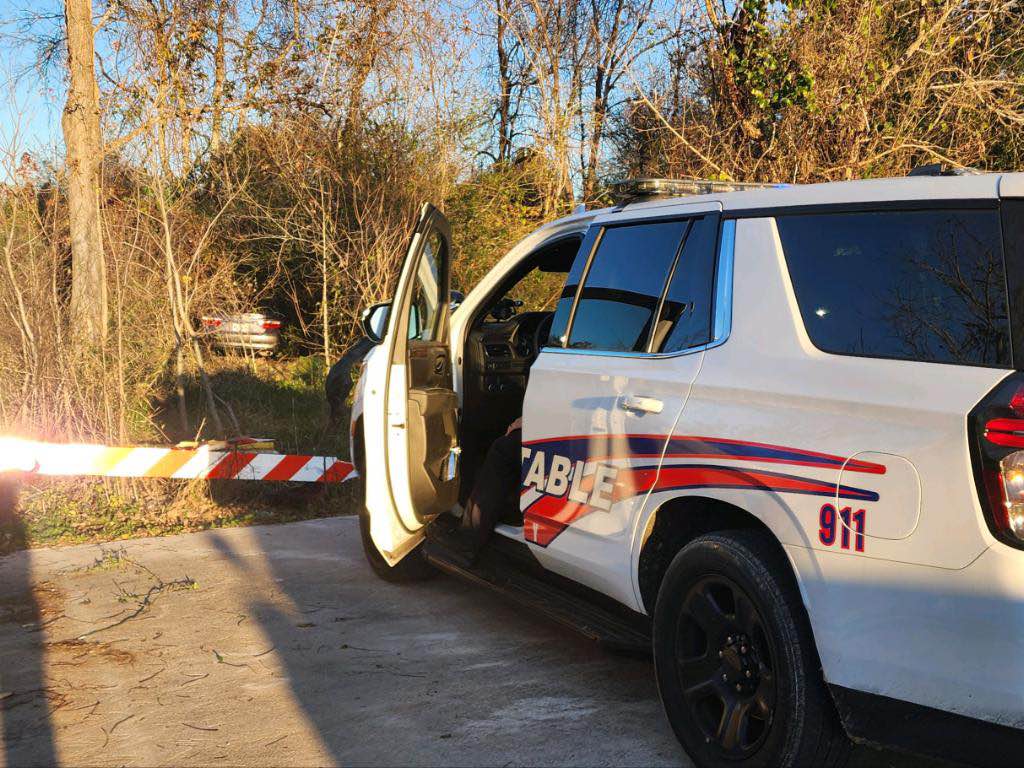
[495, 495]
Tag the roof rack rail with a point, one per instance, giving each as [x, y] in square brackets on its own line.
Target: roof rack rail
[629, 191]
[942, 169]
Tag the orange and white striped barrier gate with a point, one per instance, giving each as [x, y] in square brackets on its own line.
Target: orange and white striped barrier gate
[217, 461]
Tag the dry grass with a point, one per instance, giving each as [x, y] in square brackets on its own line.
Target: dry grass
[282, 399]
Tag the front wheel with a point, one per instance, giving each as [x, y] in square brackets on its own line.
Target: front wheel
[412, 567]
[735, 661]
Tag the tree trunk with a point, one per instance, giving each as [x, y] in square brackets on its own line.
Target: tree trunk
[368, 46]
[325, 315]
[219, 77]
[600, 112]
[84, 152]
[505, 98]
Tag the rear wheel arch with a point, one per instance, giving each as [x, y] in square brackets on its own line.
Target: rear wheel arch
[679, 521]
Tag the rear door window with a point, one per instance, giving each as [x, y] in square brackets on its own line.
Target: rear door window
[685, 318]
[910, 285]
[623, 286]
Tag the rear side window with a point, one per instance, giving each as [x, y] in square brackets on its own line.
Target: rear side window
[910, 285]
[685, 319]
[623, 287]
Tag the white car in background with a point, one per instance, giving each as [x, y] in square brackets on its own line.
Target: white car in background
[775, 436]
[245, 332]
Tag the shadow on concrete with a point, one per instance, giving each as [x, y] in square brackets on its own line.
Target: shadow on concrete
[307, 643]
[24, 704]
[440, 672]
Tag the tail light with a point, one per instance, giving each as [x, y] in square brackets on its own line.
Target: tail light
[997, 450]
[271, 325]
[1012, 481]
[211, 322]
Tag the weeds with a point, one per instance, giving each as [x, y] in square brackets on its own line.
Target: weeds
[282, 399]
[142, 601]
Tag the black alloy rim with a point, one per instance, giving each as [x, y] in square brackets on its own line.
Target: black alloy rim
[725, 663]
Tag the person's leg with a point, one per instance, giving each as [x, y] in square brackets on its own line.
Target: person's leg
[496, 490]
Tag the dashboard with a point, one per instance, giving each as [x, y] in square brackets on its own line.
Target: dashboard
[502, 352]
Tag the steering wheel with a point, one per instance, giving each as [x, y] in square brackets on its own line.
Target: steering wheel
[541, 333]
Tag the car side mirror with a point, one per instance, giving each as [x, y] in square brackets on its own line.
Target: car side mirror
[375, 321]
[455, 299]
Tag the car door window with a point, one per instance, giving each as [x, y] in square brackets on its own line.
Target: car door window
[685, 318]
[563, 307]
[623, 286]
[424, 309]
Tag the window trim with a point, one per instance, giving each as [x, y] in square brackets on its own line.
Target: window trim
[660, 306]
[721, 293]
[439, 329]
[1012, 230]
[579, 289]
[898, 207]
[864, 206]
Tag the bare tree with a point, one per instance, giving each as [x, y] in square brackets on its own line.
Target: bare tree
[617, 38]
[219, 77]
[549, 33]
[513, 79]
[84, 152]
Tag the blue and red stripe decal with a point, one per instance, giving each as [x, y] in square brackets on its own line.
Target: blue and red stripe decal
[580, 447]
[546, 517]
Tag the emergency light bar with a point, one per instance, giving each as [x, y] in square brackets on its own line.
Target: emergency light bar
[633, 190]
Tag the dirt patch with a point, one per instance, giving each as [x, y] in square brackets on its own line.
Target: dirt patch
[32, 609]
[78, 650]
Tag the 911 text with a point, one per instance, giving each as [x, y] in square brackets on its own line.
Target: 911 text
[833, 525]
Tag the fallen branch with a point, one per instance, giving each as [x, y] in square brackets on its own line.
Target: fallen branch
[147, 600]
[200, 727]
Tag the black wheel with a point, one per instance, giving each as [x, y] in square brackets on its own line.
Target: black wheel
[735, 661]
[412, 567]
[339, 382]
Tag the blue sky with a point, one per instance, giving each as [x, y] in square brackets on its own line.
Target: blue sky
[30, 100]
[31, 97]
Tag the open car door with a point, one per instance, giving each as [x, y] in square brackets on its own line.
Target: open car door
[411, 412]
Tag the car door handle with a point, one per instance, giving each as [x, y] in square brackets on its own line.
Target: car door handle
[640, 404]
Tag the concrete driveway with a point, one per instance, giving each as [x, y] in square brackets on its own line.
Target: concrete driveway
[276, 645]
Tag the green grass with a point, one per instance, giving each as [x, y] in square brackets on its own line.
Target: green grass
[282, 399]
[279, 399]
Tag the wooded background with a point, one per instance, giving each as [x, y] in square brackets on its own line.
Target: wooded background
[225, 154]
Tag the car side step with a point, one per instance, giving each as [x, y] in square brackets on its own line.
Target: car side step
[622, 634]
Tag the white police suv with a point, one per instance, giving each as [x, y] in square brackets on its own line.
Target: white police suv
[775, 434]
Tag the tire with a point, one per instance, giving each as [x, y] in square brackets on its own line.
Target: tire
[338, 384]
[728, 606]
[412, 567]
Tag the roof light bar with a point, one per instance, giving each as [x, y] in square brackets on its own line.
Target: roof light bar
[632, 190]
